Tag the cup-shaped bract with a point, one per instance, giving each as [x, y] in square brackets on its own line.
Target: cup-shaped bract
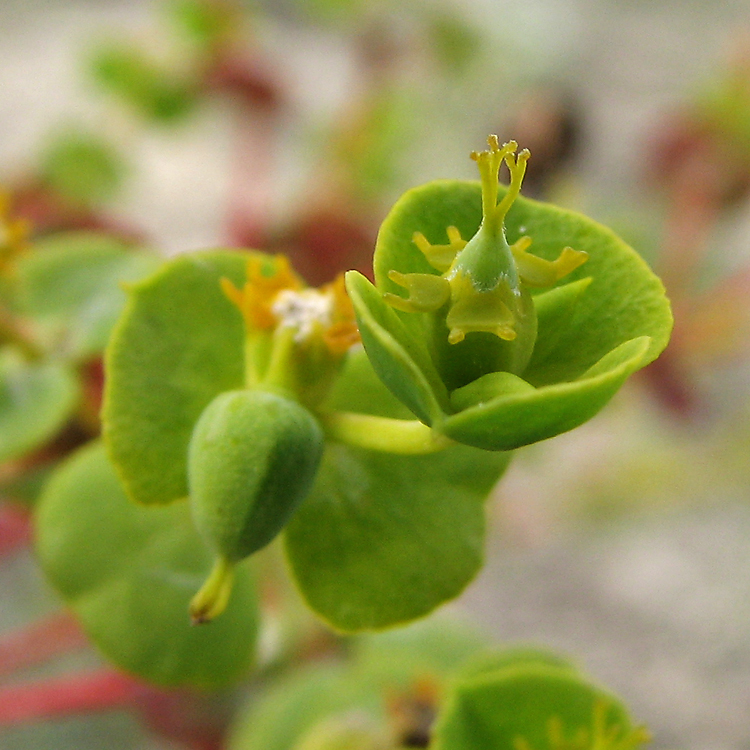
[489, 343]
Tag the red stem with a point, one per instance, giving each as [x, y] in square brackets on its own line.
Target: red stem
[35, 643]
[93, 691]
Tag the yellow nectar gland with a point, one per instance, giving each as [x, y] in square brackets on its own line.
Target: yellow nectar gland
[274, 297]
[599, 737]
[483, 278]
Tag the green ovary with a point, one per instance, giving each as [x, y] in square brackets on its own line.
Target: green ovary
[484, 281]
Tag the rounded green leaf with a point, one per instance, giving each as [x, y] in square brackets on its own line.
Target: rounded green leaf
[384, 539]
[512, 658]
[434, 647]
[82, 167]
[178, 344]
[129, 573]
[624, 300]
[36, 399]
[71, 285]
[296, 704]
[532, 707]
[524, 417]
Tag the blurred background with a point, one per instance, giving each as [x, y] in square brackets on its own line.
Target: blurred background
[293, 127]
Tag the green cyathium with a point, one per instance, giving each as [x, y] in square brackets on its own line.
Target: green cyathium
[484, 282]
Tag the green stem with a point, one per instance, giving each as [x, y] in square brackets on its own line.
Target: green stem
[213, 597]
[257, 347]
[281, 371]
[407, 437]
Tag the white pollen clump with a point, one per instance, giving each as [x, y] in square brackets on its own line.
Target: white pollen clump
[306, 311]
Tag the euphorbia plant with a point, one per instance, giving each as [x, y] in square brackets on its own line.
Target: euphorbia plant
[231, 383]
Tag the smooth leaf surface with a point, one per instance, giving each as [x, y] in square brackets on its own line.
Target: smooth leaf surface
[522, 707]
[129, 572]
[384, 539]
[72, 286]
[178, 344]
[513, 658]
[434, 648]
[554, 310]
[625, 299]
[360, 390]
[522, 418]
[36, 398]
[399, 358]
[296, 704]
[83, 168]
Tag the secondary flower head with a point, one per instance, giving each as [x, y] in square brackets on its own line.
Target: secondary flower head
[274, 297]
[485, 342]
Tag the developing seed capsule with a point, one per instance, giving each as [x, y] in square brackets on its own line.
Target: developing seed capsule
[252, 459]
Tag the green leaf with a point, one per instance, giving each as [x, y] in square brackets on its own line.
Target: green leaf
[26, 487]
[399, 358]
[129, 572]
[296, 704]
[204, 24]
[525, 417]
[531, 707]
[157, 94]
[71, 286]
[435, 647]
[624, 300]
[384, 539]
[512, 658]
[82, 167]
[381, 665]
[179, 344]
[359, 389]
[36, 399]
[554, 310]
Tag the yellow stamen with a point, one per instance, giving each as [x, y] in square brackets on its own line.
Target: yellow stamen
[342, 333]
[257, 296]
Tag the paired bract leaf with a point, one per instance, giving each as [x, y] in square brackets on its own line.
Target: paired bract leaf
[384, 539]
[400, 360]
[606, 319]
[71, 285]
[36, 399]
[129, 572]
[511, 421]
[178, 345]
[532, 705]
